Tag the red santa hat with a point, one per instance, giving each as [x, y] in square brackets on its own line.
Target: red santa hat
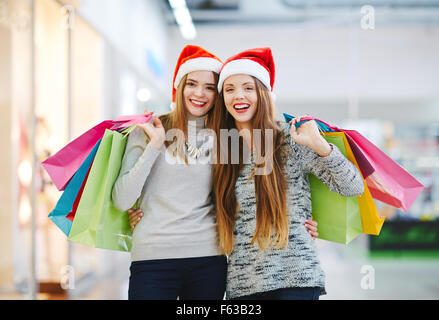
[193, 58]
[256, 62]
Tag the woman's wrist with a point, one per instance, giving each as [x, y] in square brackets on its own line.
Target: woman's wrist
[157, 144]
[322, 147]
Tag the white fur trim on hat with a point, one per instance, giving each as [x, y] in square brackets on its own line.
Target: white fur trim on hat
[244, 66]
[197, 64]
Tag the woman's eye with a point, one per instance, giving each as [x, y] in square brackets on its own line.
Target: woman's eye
[210, 88]
[191, 84]
[249, 88]
[229, 90]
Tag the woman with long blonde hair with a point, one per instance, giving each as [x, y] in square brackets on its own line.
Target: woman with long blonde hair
[263, 200]
[175, 245]
[175, 251]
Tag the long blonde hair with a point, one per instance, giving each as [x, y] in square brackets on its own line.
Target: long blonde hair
[177, 119]
[270, 189]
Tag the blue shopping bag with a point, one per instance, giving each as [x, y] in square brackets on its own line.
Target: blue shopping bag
[65, 203]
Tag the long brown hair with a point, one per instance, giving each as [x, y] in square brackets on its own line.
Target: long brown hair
[177, 119]
[272, 225]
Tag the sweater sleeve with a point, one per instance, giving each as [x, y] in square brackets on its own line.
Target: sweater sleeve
[137, 162]
[335, 170]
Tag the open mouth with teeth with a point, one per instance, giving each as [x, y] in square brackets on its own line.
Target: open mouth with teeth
[197, 103]
[241, 107]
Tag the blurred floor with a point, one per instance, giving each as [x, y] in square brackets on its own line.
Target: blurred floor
[394, 278]
[109, 289]
[113, 287]
[345, 266]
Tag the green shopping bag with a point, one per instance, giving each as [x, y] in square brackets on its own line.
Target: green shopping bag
[338, 217]
[98, 223]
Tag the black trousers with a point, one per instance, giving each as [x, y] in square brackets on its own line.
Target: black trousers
[201, 278]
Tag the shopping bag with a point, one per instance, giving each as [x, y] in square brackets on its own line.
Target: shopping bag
[323, 127]
[65, 204]
[72, 213]
[371, 221]
[387, 180]
[62, 165]
[338, 217]
[128, 121]
[98, 223]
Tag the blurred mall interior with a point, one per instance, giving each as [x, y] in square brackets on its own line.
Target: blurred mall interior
[66, 65]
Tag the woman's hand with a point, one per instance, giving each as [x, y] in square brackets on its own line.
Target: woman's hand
[155, 132]
[134, 216]
[311, 225]
[308, 135]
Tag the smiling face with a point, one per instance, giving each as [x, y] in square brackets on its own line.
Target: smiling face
[240, 98]
[199, 92]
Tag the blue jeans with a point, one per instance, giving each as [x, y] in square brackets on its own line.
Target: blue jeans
[201, 278]
[308, 293]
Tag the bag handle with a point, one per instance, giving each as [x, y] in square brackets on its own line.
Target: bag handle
[323, 126]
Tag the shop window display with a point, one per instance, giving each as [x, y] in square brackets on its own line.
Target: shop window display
[67, 80]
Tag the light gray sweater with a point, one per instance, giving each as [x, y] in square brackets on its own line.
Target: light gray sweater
[251, 270]
[178, 219]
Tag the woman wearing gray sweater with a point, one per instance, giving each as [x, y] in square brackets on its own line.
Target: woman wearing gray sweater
[175, 249]
[263, 202]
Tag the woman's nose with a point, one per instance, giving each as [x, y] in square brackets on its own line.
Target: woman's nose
[239, 94]
[199, 92]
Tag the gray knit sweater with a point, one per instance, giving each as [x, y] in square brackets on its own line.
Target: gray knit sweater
[252, 271]
[179, 215]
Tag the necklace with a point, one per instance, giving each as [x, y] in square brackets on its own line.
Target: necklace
[193, 151]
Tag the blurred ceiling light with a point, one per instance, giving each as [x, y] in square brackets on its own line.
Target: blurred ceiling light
[25, 173]
[24, 210]
[183, 18]
[188, 31]
[143, 95]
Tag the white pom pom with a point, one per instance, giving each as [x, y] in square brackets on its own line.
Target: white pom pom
[273, 96]
[172, 105]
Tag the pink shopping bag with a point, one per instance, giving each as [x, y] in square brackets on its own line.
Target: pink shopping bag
[386, 179]
[62, 165]
[128, 121]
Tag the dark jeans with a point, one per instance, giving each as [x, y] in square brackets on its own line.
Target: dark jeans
[202, 278]
[311, 293]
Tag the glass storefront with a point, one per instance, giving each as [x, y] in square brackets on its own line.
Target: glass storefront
[59, 77]
[16, 103]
